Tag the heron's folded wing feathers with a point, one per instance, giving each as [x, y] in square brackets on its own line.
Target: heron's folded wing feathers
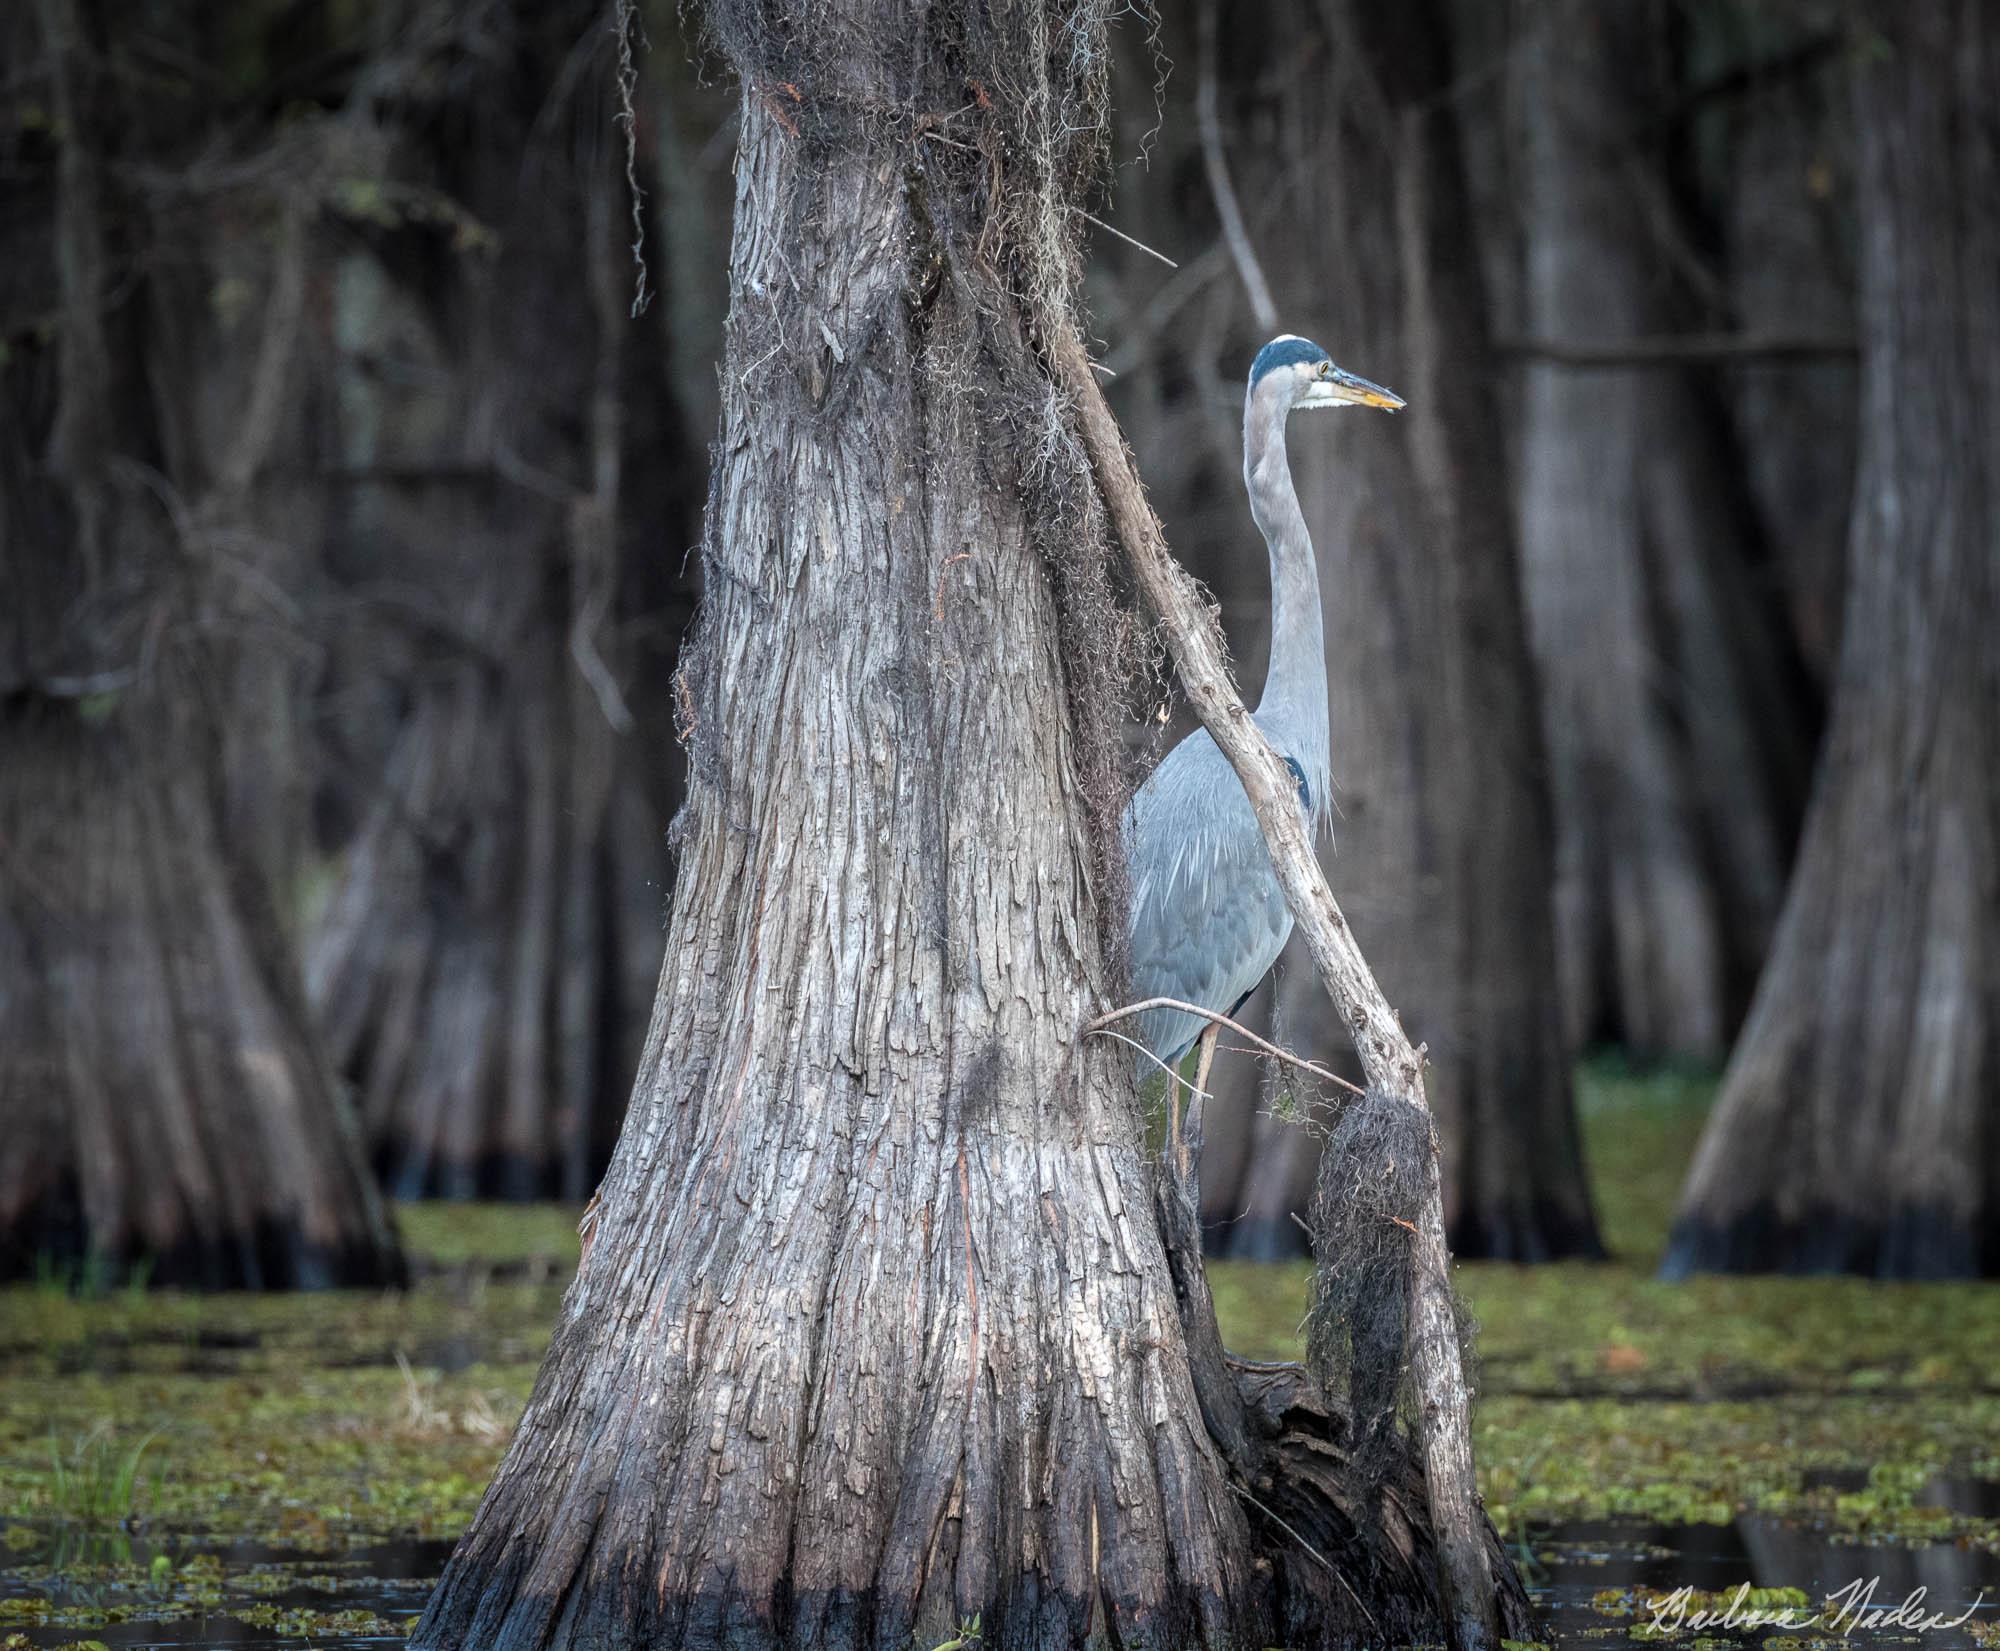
[1208, 917]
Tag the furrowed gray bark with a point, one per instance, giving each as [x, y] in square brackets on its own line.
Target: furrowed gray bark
[874, 1252]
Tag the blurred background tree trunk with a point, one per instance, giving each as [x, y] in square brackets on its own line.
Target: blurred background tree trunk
[517, 502]
[1855, 1130]
[165, 1107]
[1679, 720]
[370, 374]
[1442, 834]
[1763, 119]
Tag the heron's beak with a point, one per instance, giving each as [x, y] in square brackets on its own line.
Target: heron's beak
[1345, 389]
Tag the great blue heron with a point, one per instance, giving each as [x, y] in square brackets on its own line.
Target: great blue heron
[1208, 916]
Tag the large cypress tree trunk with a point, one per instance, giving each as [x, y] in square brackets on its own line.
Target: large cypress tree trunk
[1680, 743]
[163, 1101]
[875, 1330]
[1855, 1129]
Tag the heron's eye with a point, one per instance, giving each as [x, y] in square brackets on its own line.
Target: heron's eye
[1326, 369]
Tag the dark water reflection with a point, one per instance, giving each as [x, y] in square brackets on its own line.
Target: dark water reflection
[115, 1571]
[1577, 1564]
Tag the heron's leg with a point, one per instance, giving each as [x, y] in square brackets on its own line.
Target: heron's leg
[1188, 1142]
[1207, 1047]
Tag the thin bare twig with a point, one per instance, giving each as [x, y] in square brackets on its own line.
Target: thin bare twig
[1332, 1569]
[1136, 333]
[1172, 1075]
[1129, 240]
[1227, 207]
[630, 25]
[1103, 1021]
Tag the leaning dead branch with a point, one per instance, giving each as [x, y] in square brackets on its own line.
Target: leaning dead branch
[1393, 1067]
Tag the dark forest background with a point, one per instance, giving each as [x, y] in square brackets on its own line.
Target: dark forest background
[351, 519]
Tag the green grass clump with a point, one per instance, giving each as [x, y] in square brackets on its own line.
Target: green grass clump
[303, 1457]
[97, 1481]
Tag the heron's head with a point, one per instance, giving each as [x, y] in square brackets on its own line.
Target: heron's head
[1297, 373]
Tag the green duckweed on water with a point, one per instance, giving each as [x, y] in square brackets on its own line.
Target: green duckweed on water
[323, 1425]
[303, 1421]
[288, 1601]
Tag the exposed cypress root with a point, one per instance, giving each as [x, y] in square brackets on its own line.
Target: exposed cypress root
[1372, 1530]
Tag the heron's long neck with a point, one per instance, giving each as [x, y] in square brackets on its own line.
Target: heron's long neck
[1294, 701]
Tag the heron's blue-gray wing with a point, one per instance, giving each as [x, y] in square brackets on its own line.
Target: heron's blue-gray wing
[1208, 917]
